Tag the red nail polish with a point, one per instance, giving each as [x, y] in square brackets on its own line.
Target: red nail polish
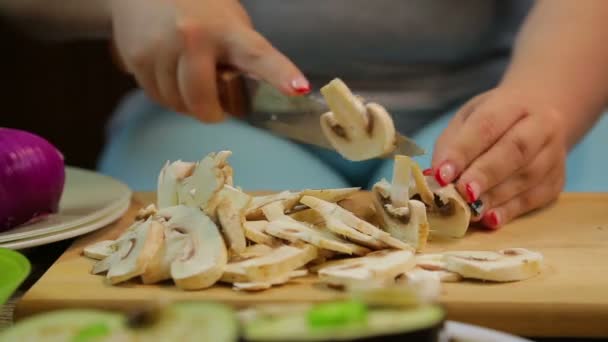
[301, 86]
[472, 190]
[493, 220]
[427, 172]
[302, 90]
[470, 193]
[444, 174]
[439, 179]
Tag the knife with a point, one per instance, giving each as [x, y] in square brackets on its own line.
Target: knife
[294, 117]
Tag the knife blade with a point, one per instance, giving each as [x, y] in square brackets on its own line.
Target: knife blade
[294, 117]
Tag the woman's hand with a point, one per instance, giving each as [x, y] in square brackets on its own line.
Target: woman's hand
[505, 149]
[174, 47]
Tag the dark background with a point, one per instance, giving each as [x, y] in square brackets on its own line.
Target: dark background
[64, 92]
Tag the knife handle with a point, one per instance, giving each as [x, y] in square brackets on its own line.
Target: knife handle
[232, 93]
[230, 85]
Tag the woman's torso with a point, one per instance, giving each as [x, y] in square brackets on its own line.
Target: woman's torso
[416, 55]
[419, 58]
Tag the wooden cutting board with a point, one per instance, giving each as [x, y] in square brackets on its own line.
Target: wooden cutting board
[569, 298]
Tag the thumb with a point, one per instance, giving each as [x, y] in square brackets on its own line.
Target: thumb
[252, 53]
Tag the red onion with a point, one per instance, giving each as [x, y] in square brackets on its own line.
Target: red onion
[32, 177]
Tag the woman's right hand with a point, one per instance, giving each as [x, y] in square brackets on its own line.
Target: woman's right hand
[174, 48]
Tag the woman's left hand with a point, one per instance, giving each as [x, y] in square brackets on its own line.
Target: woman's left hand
[504, 149]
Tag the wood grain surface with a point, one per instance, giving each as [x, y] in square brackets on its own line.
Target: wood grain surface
[569, 298]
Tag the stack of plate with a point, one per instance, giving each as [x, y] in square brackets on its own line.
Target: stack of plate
[90, 201]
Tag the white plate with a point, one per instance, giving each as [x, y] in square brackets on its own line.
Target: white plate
[71, 232]
[87, 196]
[472, 333]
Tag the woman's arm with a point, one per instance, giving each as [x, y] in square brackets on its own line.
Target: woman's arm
[561, 58]
[507, 147]
[59, 19]
[173, 48]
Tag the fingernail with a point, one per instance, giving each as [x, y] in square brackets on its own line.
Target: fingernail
[427, 172]
[445, 174]
[472, 189]
[300, 85]
[492, 219]
[476, 207]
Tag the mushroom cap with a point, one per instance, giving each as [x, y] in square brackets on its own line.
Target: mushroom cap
[204, 257]
[357, 131]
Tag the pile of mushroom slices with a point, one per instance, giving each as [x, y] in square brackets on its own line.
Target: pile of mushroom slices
[204, 230]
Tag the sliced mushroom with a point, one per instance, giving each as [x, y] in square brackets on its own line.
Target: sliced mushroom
[448, 214]
[231, 215]
[122, 247]
[200, 189]
[323, 256]
[409, 225]
[274, 211]
[506, 265]
[331, 195]
[431, 261]
[277, 263]
[253, 251]
[260, 286]
[309, 216]
[287, 198]
[145, 213]
[443, 276]
[100, 250]
[286, 228]
[290, 199]
[134, 254]
[356, 130]
[333, 213]
[256, 232]
[377, 269]
[289, 229]
[427, 284]
[159, 268]
[342, 229]
[204, 257]
[402, 217]
[435, 263]
[169, 180]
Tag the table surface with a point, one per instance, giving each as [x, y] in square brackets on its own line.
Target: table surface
[569, 294]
